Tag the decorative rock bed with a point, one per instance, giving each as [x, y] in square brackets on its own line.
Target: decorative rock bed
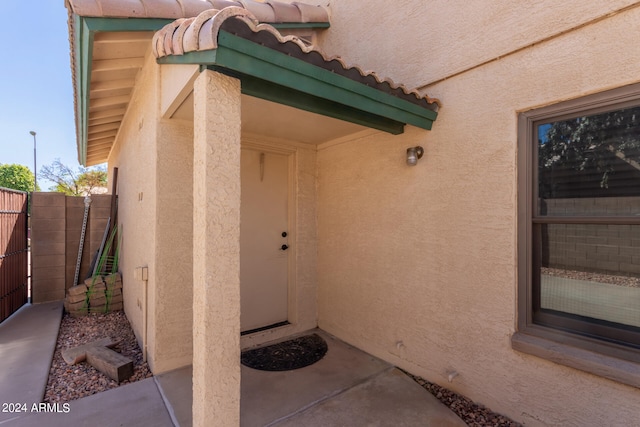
[69, 382]
[470, 412]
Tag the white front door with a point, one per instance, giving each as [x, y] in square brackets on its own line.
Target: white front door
[264, 239]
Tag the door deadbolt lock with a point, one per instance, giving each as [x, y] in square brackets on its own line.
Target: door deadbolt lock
[284, 247]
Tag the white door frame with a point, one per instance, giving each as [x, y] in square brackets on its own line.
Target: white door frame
[290, 152]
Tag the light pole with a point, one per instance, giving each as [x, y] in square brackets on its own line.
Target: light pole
[35, 174]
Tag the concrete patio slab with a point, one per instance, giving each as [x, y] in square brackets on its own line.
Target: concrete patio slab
[27, 342]
[133, 405]
[346, 387]
[176, 388]
[389, 399]
[267, 397]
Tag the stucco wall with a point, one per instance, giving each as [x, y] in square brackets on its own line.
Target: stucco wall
[134, 154]
[417, 265]
[216, 250]
[418, 42]
[174, 251]
[155, 162]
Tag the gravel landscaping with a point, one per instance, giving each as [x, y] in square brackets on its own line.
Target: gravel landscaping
[471, 413]
[71, 382]
[628, 281]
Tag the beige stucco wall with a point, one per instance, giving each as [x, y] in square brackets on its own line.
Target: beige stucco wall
[134, 154]
[417, 42]
[216, 250]
[154, 157]
[417, 265]
[174, 250]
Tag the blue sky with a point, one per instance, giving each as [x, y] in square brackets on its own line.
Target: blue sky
[35, 86]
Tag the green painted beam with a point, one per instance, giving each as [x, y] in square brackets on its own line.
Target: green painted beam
[259, 61]
[282, 95]
[324, 92]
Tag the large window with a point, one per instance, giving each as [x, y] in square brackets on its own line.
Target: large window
[579, 223]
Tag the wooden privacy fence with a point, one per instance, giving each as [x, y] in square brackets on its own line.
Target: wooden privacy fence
[13, 251]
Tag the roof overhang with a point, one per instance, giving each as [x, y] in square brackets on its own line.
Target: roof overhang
[110, 40]
[290, 71]
[102, 103]
[275, 76]
[281, 69]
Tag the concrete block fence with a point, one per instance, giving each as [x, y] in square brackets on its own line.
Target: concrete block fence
[593, 247]
[56, 227]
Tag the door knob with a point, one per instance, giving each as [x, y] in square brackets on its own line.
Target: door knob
[284, 247]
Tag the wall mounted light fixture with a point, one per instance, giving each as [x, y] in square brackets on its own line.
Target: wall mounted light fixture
[413, 154]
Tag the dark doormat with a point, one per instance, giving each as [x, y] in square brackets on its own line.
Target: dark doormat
[288, 355]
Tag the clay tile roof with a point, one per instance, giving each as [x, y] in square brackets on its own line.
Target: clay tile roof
[201, 34]
[268, 11]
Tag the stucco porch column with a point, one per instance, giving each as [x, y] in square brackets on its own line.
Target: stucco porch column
[216, 251]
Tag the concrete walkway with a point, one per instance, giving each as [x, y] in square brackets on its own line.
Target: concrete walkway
[138, 404]
[27, 342]
[347, 387]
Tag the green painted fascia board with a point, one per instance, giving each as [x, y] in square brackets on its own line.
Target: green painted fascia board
[263, 89]
[84, 52]
[205, 57]
[86, 27]
[126, 24]
[308, 84]
[154, 24]
[272, 92]
[250, 59]
[265, 63]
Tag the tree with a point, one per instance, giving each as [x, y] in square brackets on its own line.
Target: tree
[16, 177]
[595, 149]
[92, 180]
[81, 182]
